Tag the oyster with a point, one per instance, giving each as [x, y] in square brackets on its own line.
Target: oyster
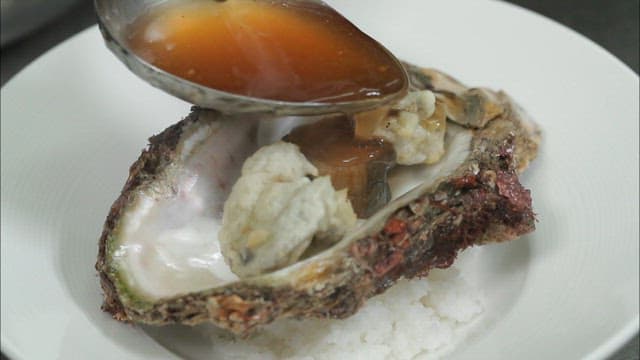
[418, 136]
[275, 211]
[160, 263]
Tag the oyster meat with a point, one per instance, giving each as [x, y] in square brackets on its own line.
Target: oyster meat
[275, 211]
[160, 260]
[416, 127]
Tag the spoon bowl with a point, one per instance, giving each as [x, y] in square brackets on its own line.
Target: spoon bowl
[116, 16]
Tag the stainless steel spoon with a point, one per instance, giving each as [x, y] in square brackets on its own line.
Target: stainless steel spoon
[114, 17]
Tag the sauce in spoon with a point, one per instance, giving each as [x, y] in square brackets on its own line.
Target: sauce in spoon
[296, 51]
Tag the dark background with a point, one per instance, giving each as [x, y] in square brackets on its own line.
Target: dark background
[613, 24]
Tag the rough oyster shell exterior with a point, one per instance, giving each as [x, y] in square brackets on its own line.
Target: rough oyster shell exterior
[482, 201]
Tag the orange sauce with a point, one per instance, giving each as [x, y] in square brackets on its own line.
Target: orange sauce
[332, 141]
[279, 50]
[359, 165]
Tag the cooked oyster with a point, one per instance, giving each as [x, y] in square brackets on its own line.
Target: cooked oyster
[416, 127]
[357, 152]
[159, 259]
[275, 211]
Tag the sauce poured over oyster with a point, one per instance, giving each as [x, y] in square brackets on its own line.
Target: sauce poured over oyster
[221, 220]
[358, 165]
[160, 259]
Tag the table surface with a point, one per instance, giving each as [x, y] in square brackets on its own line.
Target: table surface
[612, 24]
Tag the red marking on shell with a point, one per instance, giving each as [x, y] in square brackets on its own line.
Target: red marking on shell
[509, 187]
[465, 181]
[395, 226]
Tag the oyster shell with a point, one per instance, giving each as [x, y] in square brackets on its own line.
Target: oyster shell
[471, 197]
[472, 107]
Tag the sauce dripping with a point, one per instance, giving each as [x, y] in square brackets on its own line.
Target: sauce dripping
[359, 165]
[280, 50]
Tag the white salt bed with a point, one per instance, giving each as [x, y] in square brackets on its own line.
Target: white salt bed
[417, 319]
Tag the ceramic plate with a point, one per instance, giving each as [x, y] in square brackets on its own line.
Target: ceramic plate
[75, 119]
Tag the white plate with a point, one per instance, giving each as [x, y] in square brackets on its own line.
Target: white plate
[75, 119]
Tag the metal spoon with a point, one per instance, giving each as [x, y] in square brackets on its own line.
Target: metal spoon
[114, 16]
